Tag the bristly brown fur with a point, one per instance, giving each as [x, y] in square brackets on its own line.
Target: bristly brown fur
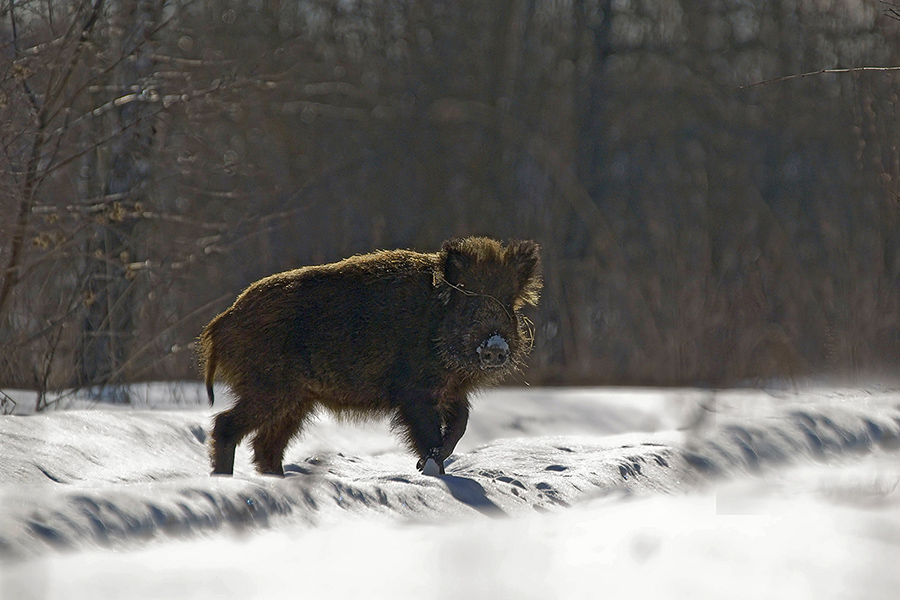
[393, 333]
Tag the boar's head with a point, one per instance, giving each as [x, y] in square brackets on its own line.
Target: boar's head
[482, 286]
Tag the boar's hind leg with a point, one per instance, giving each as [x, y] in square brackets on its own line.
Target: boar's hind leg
[421, 424]
[272, 438]
[229, 429]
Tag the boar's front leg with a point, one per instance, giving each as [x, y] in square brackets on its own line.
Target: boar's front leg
[455, 421]
[420, 422]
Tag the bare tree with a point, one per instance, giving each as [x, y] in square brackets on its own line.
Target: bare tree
[157, 157]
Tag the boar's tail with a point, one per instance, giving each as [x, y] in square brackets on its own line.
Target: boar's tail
[210, 371]
[210, 375]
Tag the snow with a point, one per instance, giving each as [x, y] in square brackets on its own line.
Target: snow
[553, 493]
[431, 468]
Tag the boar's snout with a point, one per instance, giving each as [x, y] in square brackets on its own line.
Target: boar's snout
[493, 352]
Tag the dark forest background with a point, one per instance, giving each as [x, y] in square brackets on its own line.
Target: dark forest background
[156, 156]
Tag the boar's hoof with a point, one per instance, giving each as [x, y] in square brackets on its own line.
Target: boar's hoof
[432, 464]
[493, 352]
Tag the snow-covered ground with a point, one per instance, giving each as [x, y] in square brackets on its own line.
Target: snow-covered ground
[553, 493]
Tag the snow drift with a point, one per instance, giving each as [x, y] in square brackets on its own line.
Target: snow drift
[634, 480]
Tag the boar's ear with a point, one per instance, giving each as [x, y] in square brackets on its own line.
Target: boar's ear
[524, 257]
[454, 260]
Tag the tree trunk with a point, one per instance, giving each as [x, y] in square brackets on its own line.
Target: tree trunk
[122, 174]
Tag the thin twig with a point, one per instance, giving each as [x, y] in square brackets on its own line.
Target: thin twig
[819, 72]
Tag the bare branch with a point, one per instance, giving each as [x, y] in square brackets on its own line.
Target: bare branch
[819, 72]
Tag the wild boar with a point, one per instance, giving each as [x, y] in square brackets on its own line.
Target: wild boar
[396, 333]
